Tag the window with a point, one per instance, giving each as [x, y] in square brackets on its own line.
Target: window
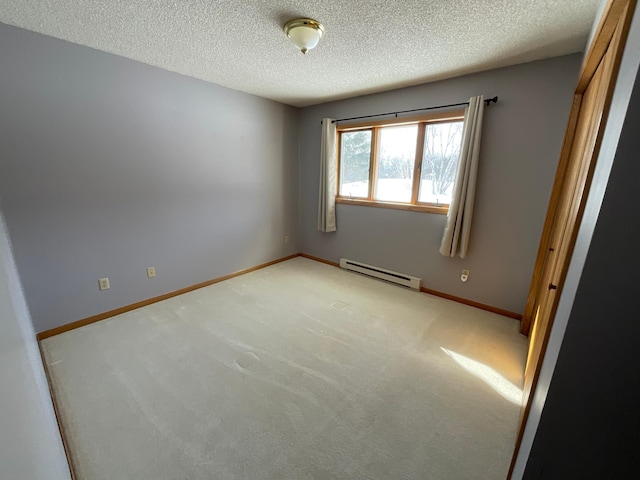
[405, 163]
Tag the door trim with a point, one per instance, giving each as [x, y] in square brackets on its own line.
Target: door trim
[617, 13]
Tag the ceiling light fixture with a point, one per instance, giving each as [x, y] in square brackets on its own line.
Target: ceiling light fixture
[304, 32]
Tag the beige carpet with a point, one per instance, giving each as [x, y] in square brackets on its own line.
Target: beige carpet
[296, 371]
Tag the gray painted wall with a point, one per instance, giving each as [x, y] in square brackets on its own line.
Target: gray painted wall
[109, 166]
[30, 444]
[522, 137]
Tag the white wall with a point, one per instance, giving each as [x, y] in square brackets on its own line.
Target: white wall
[30, 444]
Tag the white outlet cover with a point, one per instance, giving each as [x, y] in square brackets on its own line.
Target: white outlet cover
[103, 284]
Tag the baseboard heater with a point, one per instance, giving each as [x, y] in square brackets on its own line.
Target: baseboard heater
[381, 273]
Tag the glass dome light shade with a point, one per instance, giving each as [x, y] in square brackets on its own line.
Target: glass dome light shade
[305, 33]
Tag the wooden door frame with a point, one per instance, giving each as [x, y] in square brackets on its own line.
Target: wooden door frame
[616, 13]
[611, 16]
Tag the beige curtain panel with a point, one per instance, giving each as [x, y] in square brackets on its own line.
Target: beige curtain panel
[328, 178]
[457, 230]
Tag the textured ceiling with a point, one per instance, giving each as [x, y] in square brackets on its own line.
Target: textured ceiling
[369, 45]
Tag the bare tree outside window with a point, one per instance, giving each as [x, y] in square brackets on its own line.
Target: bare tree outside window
[439, 161]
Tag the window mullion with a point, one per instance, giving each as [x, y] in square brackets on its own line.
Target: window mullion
[417, 165]
[373, 163]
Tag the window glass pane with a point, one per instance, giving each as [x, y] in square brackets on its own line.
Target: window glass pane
[355, 153]
[396, 157]
[439, 162]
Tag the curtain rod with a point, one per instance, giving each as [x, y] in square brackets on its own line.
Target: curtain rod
[487, 101]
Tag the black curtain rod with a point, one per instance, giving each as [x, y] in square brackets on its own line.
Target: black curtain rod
[487, 101]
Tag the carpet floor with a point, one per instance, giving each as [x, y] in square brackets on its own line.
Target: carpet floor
[296, 371]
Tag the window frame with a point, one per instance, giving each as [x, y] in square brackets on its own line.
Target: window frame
[375, 126]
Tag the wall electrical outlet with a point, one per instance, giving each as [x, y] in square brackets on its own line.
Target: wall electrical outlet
[286, 239]
[465, 275]
[151, 272]
[103, 284]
